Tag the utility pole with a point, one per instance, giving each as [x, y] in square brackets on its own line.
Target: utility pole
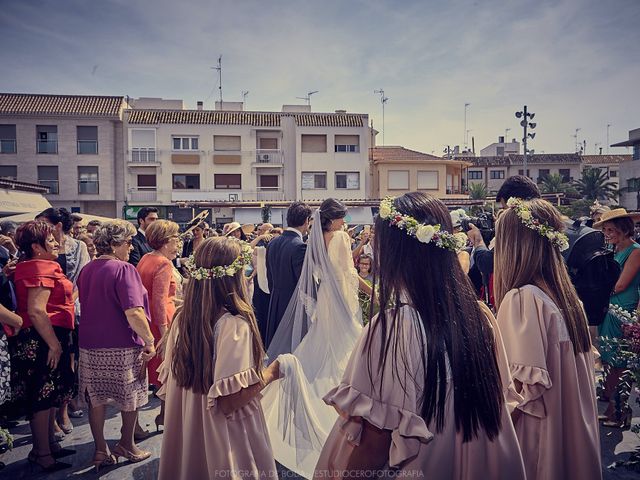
[219, 69]
[466, 105]
[608, 126]
[526, 116]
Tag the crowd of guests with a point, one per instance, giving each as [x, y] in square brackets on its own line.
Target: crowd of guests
[440, 384]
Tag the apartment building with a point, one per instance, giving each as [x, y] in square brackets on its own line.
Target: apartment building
[629, 172]
[69, 143]
[501, 148]
[397, 170]
[493, 170]
[176, 156]
[608, 164]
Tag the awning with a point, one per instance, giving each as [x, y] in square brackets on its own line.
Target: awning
[26, 217]
[13, 202]
[359, 216]
[254, 215]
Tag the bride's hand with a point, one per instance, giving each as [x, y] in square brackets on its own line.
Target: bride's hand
[272, 372]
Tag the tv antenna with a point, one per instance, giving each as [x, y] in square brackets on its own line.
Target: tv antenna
[383, 101]
[219, 69]
[577, 144]
[308, 97]
[244, 94]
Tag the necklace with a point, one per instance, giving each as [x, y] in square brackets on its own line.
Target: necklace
[107, 257]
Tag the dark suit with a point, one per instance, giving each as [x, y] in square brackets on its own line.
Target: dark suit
[285, 256]
[140, 247]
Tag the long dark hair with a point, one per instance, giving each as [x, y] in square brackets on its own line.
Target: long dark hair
[431, 280]
[56, 216]
[205, 301]
[331, 209]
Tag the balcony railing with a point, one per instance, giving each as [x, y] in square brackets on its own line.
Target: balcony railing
[89, 186]
[142, 155]
[8, 146]
[456, 190]
[52, 184]
[142, 195]
[47, 146]
[269, 156]
[87, 147]
[204, 195]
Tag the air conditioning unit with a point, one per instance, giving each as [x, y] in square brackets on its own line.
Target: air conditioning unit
[264, 158]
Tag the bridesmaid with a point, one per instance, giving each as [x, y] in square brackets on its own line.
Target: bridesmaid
[422, 395]
[548, 346]
[211, 375]
[164, 285]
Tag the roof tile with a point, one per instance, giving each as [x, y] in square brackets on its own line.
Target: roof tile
[35, 104]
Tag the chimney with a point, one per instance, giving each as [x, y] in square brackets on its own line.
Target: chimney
[200, 105]
[500, 139]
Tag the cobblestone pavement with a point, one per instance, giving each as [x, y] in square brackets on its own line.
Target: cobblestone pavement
[616, 445]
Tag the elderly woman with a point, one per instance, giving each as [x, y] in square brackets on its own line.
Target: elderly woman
[618, 228]
[41, 374]
[73, 256]
[116, 341]
[164, 284]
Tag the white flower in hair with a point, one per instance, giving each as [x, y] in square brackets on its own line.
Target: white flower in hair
[557, 239]
[425, 233]
[385, 211]
[202, 273]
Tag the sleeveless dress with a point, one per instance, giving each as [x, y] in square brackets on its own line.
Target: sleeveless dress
[611, 326]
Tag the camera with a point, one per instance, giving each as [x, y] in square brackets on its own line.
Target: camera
[485, 223]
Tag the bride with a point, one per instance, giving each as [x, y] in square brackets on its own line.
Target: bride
[319, 329]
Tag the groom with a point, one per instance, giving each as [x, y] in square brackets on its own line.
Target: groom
[285, 256]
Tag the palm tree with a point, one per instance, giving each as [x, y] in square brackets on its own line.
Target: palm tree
[478, 191]
[595, 185]
[553, 183]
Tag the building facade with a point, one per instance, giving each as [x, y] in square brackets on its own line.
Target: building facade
[176, 156]
[71, 144]
[398, 170]
[492, 171]
[501, 148]
[608, 164]
[630, 172]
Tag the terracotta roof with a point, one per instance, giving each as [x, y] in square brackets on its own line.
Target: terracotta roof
[401, 154]
[513, 159]
[604, 159]
[34, 104]
[330, 119]
[204, 117]
[258, 119]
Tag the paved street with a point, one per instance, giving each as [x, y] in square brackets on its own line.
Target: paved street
[616, 445]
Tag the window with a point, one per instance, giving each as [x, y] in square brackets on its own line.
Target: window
[227, 181]
[613, 173]
[475, 174]
[314, 143]
[398, 180]
[348, 180]
[347, 143]
[565, 173]
[7, 139]
[48, 176]
[496, 174]
[542, 174]
[428, 180]
[268, 143]
[143, 145]
[188, 182]
[10, 172]
[146, 182]
[87, 140]
[185, 143]
[227, 143]
[268, 182]
[47, 138]
[521, 172]
[314, 180]
[636, 152]
[500, 151]
[88, 180]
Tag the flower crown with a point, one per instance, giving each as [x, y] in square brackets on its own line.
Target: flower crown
[424, 233]
[557, 239]
[220, 271]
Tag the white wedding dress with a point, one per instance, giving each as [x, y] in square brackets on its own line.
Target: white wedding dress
[297, 418]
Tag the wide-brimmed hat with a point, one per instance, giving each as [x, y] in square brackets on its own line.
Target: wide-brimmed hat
[616, 213]
[233, 226]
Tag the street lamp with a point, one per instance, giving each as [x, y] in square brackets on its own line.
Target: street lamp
[526, 116]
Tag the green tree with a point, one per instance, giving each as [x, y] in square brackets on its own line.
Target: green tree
[594, 184]
[478, 191]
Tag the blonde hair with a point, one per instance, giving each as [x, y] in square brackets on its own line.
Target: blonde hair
[159, 233]
[524, 257]
[205, 301]
[114, 232]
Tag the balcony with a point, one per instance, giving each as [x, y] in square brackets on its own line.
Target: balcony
[53, 185]
[47, 146]
[142, 195]
[268, 157]
[142, 155]
[224, 195]
[8, 146]
[457, 191]
[87, 147]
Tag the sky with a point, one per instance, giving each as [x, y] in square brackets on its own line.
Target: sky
[574, 63]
